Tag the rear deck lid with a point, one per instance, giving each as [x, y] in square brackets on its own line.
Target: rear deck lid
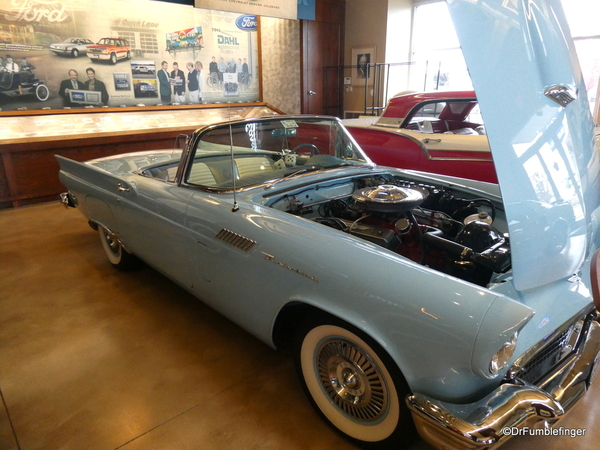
[530, 89]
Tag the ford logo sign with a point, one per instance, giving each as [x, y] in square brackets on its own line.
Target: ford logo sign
[247, 23]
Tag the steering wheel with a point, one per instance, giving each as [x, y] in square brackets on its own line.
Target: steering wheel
[313, 149]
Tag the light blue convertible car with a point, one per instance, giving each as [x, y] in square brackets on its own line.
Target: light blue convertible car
[412, 301]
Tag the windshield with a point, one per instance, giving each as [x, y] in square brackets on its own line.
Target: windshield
[266, 150]
[446, 116]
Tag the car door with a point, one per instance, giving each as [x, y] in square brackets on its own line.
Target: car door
[451, 135]
[122, 48]
[151, 223]
[459, 155]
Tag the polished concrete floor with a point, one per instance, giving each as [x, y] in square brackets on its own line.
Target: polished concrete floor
[93, 358]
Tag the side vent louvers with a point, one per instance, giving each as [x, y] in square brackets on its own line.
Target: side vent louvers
[236, 240]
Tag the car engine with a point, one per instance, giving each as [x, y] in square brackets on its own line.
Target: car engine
[430, 225]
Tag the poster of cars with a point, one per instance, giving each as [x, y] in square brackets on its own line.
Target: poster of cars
[55, 53]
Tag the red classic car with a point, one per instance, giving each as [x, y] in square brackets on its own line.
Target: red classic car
[440, 132]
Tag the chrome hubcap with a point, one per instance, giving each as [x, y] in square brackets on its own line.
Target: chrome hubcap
[352, 380]
[112, 242]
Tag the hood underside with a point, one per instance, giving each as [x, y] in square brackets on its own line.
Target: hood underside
[532, 96]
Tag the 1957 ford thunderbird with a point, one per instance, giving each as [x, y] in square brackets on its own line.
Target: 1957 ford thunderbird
[456, 308]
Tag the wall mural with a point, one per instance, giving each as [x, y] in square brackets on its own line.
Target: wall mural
[284, 9]
[58, 54]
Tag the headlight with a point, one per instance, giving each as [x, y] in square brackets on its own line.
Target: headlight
[502, 356]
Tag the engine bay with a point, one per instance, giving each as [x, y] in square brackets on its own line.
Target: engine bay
[441, 227]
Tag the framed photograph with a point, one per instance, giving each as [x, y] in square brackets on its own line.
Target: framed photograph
[362, 73]
[85, 97]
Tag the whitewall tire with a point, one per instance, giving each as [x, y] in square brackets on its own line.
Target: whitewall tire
[354, 384]
[117, 256]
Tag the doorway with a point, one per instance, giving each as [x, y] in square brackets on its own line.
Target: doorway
[322, 47]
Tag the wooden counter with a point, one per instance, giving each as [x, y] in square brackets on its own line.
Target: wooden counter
[28, 143]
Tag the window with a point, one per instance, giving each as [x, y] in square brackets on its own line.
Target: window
[129, 37]
[457, 117]
[439, 63]
[582, 16]
[149, 43]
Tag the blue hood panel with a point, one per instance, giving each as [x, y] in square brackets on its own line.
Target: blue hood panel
[544, 152]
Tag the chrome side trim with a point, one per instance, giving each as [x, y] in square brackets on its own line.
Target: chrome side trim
[293, 269]
[437, 158]
[427, 153]
[237, 240]
[489, 422]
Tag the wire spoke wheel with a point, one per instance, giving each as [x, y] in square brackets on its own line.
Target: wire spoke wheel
[42, 92]
[353, 384]
[351, 380]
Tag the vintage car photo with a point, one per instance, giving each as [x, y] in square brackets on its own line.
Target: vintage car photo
[413, 304]
[73, 46]
[23, 83]
[439, 131]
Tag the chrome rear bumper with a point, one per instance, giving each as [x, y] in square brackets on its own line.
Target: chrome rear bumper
[491, 421]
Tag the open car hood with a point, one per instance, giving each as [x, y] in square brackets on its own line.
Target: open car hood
[533, 100]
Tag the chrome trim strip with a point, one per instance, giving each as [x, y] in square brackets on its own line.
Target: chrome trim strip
[426, 151]
[284, 265]
[436, 158]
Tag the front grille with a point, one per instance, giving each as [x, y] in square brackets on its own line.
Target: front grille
[548, 357]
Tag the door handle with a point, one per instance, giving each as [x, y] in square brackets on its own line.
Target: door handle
[312, 93]
[427, 140]
[122, 188]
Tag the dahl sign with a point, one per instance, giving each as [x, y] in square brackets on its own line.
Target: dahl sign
[284, 9]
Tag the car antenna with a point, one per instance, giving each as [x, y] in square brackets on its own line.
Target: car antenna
[235, 206]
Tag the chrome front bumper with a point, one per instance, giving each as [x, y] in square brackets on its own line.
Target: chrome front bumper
[491, 421]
